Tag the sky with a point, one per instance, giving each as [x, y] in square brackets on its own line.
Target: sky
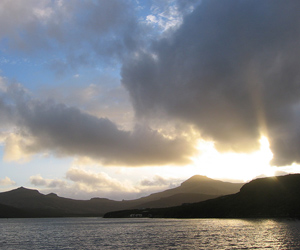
[120, 99]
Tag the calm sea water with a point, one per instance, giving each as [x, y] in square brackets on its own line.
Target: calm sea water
[140, 233]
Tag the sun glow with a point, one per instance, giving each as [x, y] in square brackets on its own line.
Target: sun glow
[234, 166]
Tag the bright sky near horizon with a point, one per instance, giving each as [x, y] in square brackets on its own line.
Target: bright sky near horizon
[123, 98]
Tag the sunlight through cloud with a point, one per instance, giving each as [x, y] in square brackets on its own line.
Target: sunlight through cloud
[234, 166]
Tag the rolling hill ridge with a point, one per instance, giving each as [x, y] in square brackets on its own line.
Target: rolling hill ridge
[31, 203]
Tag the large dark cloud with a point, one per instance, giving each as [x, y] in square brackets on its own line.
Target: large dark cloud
[231, 69]
[46, 126]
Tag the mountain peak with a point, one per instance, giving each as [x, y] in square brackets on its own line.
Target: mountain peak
[52, 195]
[25, 191]
[196, 178]
[205, 185]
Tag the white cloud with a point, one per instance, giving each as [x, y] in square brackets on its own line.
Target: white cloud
[43, 13]
[97, 181]
[82, 184]
[151, 19]
[168, 14]
[160, 181]
[14, 148]
[6, 182]
[39, 181]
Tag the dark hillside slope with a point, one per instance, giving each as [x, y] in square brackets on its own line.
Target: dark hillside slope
[12, 212]
[205, 187]
[40, 205]
[176, 200]
[273, 197]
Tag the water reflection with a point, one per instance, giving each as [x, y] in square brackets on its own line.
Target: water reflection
[98, 233]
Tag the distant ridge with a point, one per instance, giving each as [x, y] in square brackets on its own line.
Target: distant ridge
[36, 204]
[31, 203]
[197, 184]
[272, 197]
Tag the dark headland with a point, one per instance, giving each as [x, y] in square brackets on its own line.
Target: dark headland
[272, 197]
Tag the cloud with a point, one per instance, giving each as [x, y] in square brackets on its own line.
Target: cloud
[3, 86]
[6, 182]
[77, 33]
[81, 184]
[97, 181]
[14, 148]
[232, 70]
[160, 181]
[84, 33]
[47, 126]
[104, 97]
[84, 184]
[6, 112]
[168, 14]
[39, 181]
[157, 181]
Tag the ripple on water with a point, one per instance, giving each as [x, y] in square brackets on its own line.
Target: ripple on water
[98, 233]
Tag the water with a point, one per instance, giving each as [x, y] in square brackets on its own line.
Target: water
[142, 233]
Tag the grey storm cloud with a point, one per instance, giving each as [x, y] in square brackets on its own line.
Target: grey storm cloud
[232, 70]
[47, 126]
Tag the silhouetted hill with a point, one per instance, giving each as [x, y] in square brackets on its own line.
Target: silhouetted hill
[176, 200]
[205, 187]
[209, 186]
[31, 203]
[40, 205]
[261, 198]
